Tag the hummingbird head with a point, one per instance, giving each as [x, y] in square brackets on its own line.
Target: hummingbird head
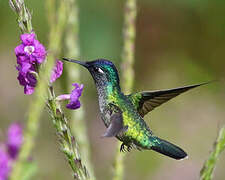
[103, 71]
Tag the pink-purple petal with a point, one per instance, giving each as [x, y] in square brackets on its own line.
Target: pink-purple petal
[29, 53]
[28, 90]
[27, 38]
[21, 79]
[74, 97]
[4, 165]
[73, 105]
[24, 68]
[28, 81]
[63, 97]
[19, 50]
[15, 139]
[9, 150]
[57, 71]
[31, 80]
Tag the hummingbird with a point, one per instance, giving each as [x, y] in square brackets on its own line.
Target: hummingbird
[123, 114]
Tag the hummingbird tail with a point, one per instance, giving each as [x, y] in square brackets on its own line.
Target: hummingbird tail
[168, 149]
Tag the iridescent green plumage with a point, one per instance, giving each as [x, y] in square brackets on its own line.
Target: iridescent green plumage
[123, 114]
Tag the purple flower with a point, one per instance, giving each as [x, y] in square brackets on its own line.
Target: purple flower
[73, 97]
[57, 71]
[4, 165]
[30, 54]
[15, 139]
[27, 79]
[31, 50]
[9, 150]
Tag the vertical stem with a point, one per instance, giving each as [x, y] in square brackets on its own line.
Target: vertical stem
[67, 142]
[119, 164]
[23, 15]
[36, 107]
[50, 11]
[34, 113]
[130, 13]
[128, 53]
[73, 50]
[207, 170]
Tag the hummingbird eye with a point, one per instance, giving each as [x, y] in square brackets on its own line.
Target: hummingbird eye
[100, 70]
[97, 69]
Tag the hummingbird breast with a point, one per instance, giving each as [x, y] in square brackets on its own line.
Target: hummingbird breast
[138, 132]
[104, 100]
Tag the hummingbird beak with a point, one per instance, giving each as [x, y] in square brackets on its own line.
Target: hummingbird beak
[78, 62]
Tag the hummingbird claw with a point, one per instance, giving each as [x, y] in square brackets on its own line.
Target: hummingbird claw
[125, 148]
[122, 148]
[129, 148]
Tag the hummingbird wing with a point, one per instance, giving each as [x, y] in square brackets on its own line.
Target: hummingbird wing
[116, 125]
[148, 100]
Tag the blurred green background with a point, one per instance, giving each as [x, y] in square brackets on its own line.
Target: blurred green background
[178, 43]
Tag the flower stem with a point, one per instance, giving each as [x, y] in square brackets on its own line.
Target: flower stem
[67, 141]
[23, 15]
[128, 53]
[40, 97]
[50, 11]
[73, 50]
[36, 107]
[207, 170]
[127, 81]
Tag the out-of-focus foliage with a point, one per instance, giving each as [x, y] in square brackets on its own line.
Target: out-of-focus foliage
[178, 43]
[210, 164]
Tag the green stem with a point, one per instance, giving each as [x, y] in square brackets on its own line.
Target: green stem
[119, 164]
[73, 50]
[40, 96]
[36, 107]
[128, 53]
[127, 81]
[50, 11]
[67, 142]
[207, 170]
[23, 15]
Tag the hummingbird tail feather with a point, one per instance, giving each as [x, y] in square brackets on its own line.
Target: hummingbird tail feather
[168, 149]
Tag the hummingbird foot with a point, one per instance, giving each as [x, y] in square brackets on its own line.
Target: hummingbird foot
[125, 148]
